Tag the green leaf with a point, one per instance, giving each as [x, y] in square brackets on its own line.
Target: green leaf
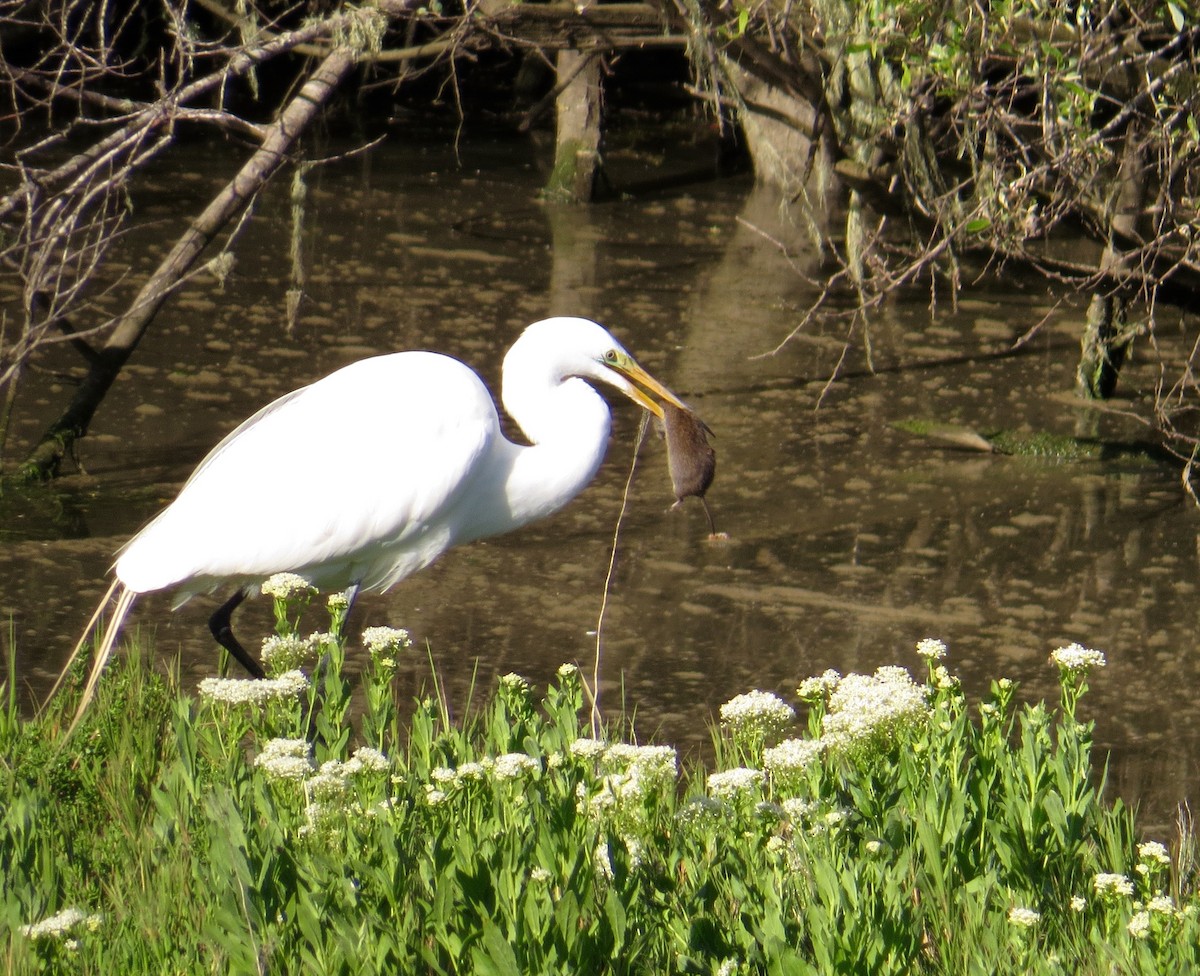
[495, 955]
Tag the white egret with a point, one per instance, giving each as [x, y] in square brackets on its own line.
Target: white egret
[425, 467]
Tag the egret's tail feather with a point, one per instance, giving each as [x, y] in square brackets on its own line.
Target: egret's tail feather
[83, 639]
[104, 649]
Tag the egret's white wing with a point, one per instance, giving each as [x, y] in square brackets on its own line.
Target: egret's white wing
[331, 478]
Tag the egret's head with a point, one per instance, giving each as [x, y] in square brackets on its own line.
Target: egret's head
[580, 347]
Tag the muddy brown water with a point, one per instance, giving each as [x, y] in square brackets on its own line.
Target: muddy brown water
[849, 540]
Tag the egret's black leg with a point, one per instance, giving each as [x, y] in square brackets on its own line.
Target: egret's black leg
[220, 625]
[712, 526]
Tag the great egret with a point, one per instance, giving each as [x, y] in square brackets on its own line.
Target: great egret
[425, 467]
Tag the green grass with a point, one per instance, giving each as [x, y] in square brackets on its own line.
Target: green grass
[511, 843]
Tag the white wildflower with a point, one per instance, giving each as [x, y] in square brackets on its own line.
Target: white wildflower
[792, 756]
[867, 711]
[1152, 852]
[587, 748]
[1139, 925]
[605, 800]
[540, 875]
[931, 649]
[798, 809]
[384, 640]
[514, 682]
[1112, 884]
[366, 759]
[757, 713]
[874, 846]
[288, 652]
[568, 670]
[728, 784]
[728, 967]
[284, 586]
[822, 686]
[329, 785]
[1161, 904]
[286, 759]
[253, 691]
[442, 774]
[434, 796]
[943, 680]
[656, 764]
[472, 772]
[1025, 918]
[635, 849]
[699, 810]
[338, 602]
[58, 926]
[514, 765]
[1077, 659]
[602, 861]
[1078, 903]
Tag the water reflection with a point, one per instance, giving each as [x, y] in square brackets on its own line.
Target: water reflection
[849, 539]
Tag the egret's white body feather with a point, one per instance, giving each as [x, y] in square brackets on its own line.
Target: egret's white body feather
[369, 474]
[305, 486]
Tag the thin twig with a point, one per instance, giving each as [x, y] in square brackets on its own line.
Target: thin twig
[594, 690]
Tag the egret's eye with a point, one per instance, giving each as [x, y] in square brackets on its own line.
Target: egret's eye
[611, 356]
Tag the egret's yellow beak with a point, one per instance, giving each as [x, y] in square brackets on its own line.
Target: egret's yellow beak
[642, 386]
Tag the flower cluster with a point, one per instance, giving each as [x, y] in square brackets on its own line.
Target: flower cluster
[756, 715]
[284, 586]
[868, 712]
[513, 682]
[286, 653]
[1023, 918]
[1112, 885]
[931, 649]
[1154, 854]
[732, 783]
[288, 759]
[630, 779]
[654, 765]
[515, 765]
[62, 924]
[328, 791]
[588, 748]
[1075, 659]
[386, 641]
[819, 687]
[251, 691]
[792, 756]
[1139, 925]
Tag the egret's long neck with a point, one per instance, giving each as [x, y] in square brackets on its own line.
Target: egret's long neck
[567, 423]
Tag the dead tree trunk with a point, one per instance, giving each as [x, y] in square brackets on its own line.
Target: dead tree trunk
[1106, 335]
[59, 439]
[577, 162]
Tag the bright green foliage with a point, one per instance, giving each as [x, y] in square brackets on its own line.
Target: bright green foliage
[173, 834]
